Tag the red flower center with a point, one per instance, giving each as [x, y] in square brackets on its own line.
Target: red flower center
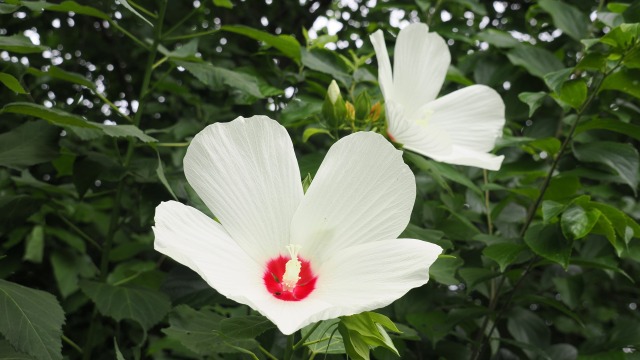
[273, 279]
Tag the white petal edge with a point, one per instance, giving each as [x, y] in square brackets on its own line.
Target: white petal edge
[363, 192]
[373, 275]
[385, 75]
[466, 157]
[246, 172]
[420, 63]
[473, 117]
[193, 239]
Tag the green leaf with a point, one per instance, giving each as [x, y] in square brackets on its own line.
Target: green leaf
[574, 93]
[12, 83]
[163, 178]
[533, 99]
[31, 143]
[52, 115]
[454, 74]
[548, 242]
[325, 338]
[223, 3]
[622, 159]
[536, 60]
[441, 169]
[199, 331]
[31, 321]
[65, 7]
[472, 276]
[125, 131]
[576, 222]
[367, 328]
[567, 18]
[625, 80]
[327, 62]
[35, 245]
[528, 328]
[126, 4]
[556, 79]
[146, 307]
[504, 253]
[433, 236]
[306, 182]
[622, 37]
[287, 44]
[215, 77]
[620, 127]
[19, 44]
[433, 324]
[354, 345]
[497, 38]
[551, 209]
[246, 326]
[7, 352]
[58, 73]
[310, 131]
[618, 219]
[444, 270]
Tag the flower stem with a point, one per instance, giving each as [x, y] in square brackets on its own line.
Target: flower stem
[267, 353]
[305, 337]
[288, 350]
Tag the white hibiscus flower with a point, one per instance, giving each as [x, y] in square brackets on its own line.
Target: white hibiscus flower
[459, 128]
[296, 258]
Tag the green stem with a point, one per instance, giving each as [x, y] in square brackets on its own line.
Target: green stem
[191, 36]
[177, 25]
[129, 35]
[142, 9]
[113, 106]
[487, 203]
[71, 343]
[288, 350]
[266, 353]
[80, 232]
[305, 337]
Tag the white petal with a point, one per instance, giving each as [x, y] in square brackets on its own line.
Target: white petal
[420, 64]
[372, 275]
[468, 157]
[473, 117]
[428, 139]
[246, 173]
[363, 192]
[196, 241]
[385, 77]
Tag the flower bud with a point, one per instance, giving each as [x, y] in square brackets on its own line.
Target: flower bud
[351, 111]
[333, 92]
[374, 114]
[363, 105]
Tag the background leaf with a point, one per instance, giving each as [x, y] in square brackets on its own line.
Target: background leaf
[32, 321]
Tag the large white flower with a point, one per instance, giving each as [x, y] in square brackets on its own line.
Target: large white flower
[296, 258]
[458, 128]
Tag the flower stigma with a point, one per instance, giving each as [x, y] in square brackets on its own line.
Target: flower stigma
[292, 269]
